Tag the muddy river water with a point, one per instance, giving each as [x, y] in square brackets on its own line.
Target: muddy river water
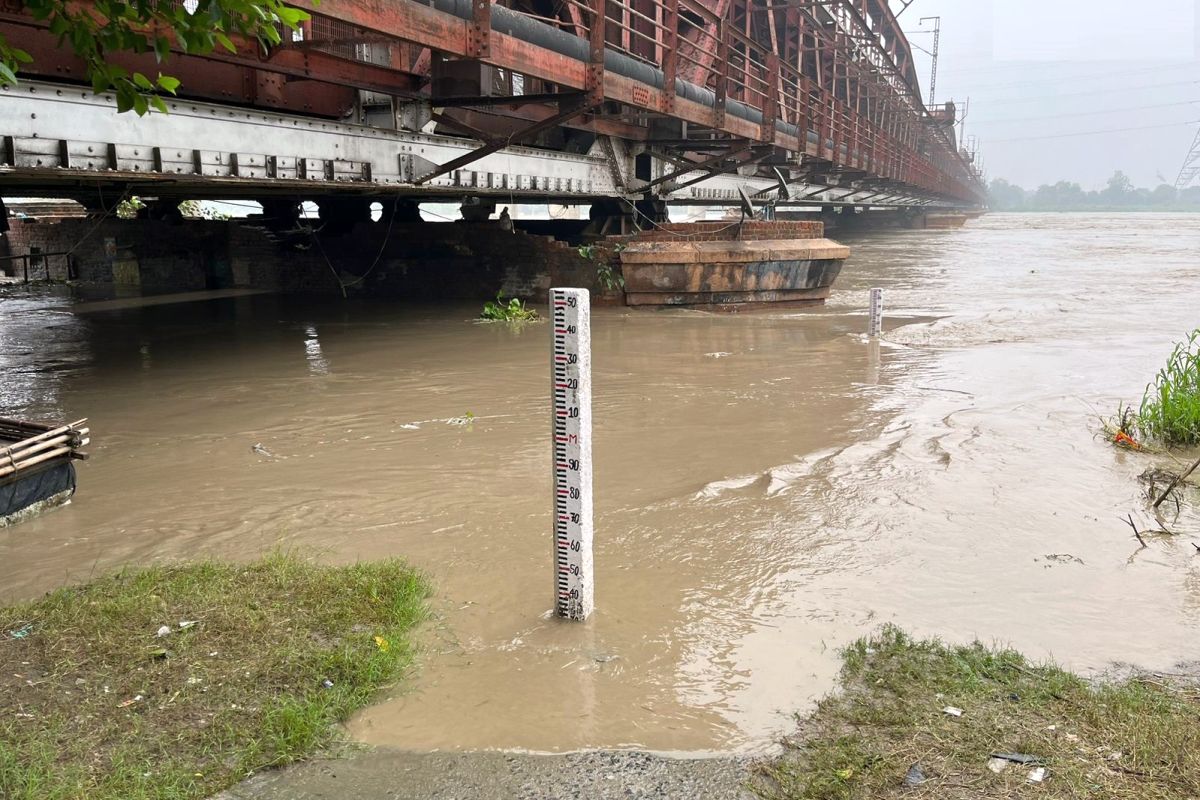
[768, 486]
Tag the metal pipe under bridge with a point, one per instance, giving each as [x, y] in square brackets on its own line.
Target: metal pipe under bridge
[568, 101]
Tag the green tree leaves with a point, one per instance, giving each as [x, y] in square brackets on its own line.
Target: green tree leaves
[105, 27]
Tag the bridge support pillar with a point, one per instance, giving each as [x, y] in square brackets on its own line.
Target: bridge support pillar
[340, 214]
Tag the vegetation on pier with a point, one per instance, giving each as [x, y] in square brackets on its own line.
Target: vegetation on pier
[178, 681]
[511, 310]
[894, 731]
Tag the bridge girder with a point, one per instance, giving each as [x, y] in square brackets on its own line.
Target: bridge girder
[823, 89]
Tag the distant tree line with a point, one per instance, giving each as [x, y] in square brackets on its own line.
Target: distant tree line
[1119, 195]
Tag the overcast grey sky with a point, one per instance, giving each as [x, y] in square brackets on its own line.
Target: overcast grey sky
[1036, 69]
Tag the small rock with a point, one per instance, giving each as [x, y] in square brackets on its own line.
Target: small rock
[997, 765]
[165, 630]
[1037, 775]
[915, 776]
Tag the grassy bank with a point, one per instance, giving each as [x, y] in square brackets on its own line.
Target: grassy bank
[254, 666]
[1136, 739]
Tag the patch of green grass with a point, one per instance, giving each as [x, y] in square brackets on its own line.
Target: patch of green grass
[242, 689]
[513, 310]
[1139, 738]
[1170, 410]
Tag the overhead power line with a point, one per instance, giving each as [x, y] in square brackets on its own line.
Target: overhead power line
[1088, 113]
[1096, 91]
[1042, 81]
[1095, 132]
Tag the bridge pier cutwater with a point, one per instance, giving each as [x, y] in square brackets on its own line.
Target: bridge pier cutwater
[643, 105]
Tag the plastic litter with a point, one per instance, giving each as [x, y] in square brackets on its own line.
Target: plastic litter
[1037, 775]
[1125, 439]
[165, 630]
[915, 776]
[127, 703]
[951, 711]
[328, 684]
[184, 624]
[22, 632]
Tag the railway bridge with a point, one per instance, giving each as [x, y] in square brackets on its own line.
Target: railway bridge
[624, 105]
[683, 101]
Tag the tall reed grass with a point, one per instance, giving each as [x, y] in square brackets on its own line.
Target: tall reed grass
[1170, 410]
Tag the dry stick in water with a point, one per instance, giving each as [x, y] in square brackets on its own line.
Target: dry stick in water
[1176, 482]
[1141, 541]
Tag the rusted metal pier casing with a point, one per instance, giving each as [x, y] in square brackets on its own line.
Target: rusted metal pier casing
[728, 266]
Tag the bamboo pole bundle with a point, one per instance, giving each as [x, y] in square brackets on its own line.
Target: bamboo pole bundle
[34, 444]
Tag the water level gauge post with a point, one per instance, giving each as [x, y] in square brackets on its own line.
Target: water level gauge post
[571, 431]
[875, 323]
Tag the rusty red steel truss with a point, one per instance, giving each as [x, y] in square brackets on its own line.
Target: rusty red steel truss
[823, 91]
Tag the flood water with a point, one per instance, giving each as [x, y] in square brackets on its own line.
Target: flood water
[768, 486]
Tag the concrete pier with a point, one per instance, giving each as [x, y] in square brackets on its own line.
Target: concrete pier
[731, 266]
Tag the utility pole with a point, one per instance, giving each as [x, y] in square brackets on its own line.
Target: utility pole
[1191, 165]
[937, 35]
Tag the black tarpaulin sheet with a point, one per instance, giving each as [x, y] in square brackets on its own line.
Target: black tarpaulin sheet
[35, 487]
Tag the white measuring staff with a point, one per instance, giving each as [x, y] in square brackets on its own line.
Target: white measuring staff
[875, 325]
[571, 386]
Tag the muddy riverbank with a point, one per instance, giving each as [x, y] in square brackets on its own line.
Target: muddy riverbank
[769, 486]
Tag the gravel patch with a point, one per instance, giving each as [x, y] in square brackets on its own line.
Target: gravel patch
[594, 775]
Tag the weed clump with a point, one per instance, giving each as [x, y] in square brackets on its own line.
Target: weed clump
[1170, 410]
[513, 310]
